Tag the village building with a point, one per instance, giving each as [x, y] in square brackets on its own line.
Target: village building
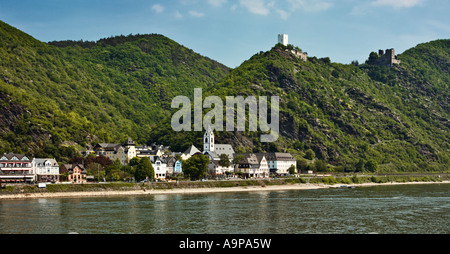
[124, 153]
[147, 151]
[178, 168]
[152, 150]
[279, 163]
[253, 165]
[189, 152]
[174, 166]
[215, 150]
[16, 168]
[215, 169]
[159, 166]
[46, 170]
[76, 172]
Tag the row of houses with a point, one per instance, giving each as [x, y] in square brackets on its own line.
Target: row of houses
[19, 168]
[165, 162]
[250, 165]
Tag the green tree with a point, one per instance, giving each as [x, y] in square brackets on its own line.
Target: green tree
[359, 166]
[320, 166]
[114, 167]
[224, 160]
[144, 170]
[238, 158]
[371, 165]
[196, 166]
[309, 154]
[96, 170]
[302, 164]
[291, 169]
[134, 161]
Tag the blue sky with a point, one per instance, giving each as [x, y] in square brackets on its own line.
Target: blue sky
[232, 31]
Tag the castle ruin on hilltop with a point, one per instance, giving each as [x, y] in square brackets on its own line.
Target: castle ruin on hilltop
[383, 58]
[283, 39]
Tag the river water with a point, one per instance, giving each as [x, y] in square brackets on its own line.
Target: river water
[405, 209]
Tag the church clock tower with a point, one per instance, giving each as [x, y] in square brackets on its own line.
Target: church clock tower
[208, 140]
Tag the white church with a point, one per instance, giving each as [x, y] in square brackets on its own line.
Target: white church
[214, 151]
[253, 165]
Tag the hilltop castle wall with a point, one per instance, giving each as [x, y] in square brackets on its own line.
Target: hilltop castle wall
[387, 58]
[299, 54]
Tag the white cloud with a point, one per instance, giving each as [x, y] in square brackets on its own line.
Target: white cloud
[263, 7]
[367, 7]
[178, 15]
[158, 8]
[397, 3]
[255, 6]
[310, 5]
[217, 3]
[196, 14]
[283, 14]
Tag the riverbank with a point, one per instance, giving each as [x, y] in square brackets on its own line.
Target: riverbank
[148, 191]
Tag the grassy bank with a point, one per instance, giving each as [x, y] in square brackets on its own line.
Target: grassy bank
[378, 179]
[120, 186]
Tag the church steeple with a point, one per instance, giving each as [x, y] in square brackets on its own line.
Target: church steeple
[208, 140]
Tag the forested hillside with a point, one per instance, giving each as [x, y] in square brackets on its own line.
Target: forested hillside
[60, 96]
[80, 93]
[349, 114]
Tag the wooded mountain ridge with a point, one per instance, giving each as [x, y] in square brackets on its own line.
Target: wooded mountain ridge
[59, 97]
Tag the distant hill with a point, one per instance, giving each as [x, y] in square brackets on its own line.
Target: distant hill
[347, 114]
[60, 96]
[80, 93]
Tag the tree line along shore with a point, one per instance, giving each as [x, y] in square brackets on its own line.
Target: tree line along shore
[7, 191]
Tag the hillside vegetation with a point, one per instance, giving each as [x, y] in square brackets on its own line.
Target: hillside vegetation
[80, 93]
[60, 96]
[397, 118]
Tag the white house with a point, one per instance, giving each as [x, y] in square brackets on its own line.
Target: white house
[215, 169]
[15, 168]
[159, 166]
[130, 149]
[45, 170]
[279, 163]
[253, 165]
[263, 169]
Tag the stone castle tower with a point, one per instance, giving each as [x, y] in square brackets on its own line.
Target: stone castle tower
[385, 58]
[283, 39]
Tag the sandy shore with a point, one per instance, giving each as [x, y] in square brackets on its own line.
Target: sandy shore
[197, 190]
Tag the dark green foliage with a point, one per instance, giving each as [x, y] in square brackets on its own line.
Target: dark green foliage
[144, 170]
[397, 117]
[196, 166]
[90, 92]
[79, 93]
[309, 154]
[224, 160]
[371, 165]
[320, 166]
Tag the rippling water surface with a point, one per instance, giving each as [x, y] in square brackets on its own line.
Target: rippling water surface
[407, 209]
